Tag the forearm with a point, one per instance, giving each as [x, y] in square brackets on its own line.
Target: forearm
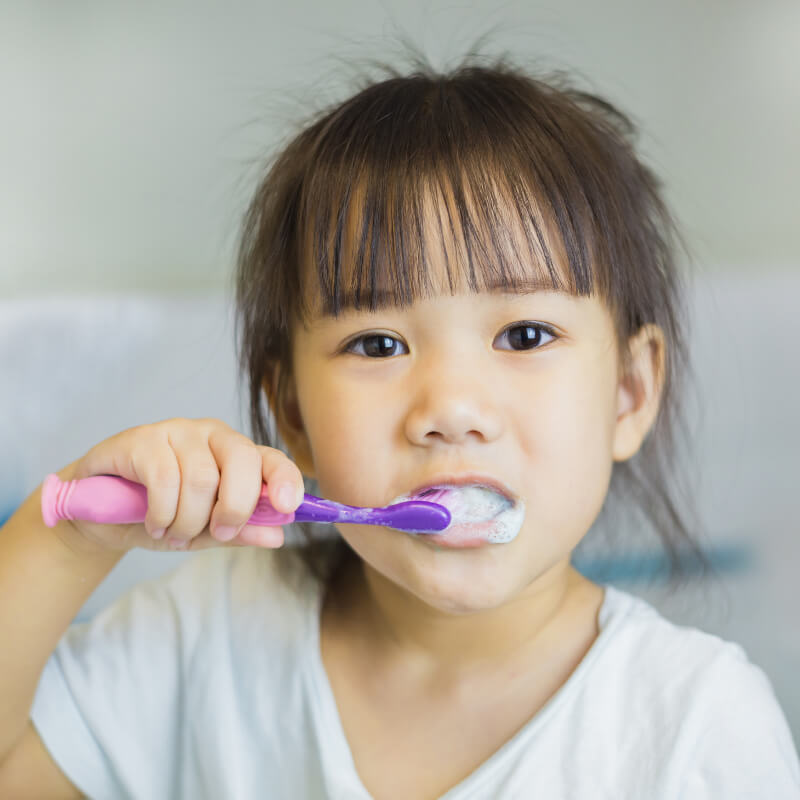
[44, 581]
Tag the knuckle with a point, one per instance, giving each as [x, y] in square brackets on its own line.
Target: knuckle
[212, 424]
[237, 513]
[228, 441]
[204, 478]
[249, 454]
[136, 430]
[238, 442]
[166, 424]
[164, 476]
[271, 456]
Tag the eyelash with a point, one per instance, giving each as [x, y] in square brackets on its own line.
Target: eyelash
[348, 348]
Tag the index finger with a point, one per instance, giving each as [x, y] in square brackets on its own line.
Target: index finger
[141, 454]
[283, 478]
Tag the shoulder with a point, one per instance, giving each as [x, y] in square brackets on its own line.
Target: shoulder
[741, 742]
[642, 635]
[696, 702]
[669, 658]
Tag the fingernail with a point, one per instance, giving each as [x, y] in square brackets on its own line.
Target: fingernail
[225, 532]
[177, 544]
[286, 494]
[158, 533]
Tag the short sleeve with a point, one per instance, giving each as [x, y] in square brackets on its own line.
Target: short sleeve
[107, 704]
[745, 749]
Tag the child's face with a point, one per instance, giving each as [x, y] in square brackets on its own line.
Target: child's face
[452, 395]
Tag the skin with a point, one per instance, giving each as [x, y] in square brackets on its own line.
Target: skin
[456, 397]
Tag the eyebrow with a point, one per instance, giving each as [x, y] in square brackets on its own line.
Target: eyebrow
[385, 298]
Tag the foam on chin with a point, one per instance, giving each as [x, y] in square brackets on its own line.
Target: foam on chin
[471, 508]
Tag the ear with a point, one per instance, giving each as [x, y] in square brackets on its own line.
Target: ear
[639, 391]
[289, 421]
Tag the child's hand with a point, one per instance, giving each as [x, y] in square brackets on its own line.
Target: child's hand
[203, 482]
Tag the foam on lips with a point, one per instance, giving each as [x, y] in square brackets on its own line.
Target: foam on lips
[476, 512]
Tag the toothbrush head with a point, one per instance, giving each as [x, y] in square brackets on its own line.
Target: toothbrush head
[413, 516]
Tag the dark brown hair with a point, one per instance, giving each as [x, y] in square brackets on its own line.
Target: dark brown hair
[343, 203]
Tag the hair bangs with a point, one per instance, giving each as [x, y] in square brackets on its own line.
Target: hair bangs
[393, 213]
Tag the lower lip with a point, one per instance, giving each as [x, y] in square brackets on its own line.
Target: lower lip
[462, 536]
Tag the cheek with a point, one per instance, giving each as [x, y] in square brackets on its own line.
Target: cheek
[348, 438]
[567, 442]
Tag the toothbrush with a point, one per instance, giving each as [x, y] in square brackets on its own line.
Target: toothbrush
[113, 499]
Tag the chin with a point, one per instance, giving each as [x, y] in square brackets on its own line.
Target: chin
[467, 587]
[454, 581]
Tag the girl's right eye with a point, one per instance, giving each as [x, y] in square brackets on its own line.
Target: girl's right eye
[376, 345]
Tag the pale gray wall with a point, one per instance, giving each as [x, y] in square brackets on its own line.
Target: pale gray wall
[129, 130]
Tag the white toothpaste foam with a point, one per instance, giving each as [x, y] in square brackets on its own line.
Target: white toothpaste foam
[471, 506]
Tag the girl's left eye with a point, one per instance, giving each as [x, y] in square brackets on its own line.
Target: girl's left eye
[527, 335]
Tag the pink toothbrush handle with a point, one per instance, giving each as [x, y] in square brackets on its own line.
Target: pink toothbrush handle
[115, 500]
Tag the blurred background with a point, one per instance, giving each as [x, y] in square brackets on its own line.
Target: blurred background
[134, 134]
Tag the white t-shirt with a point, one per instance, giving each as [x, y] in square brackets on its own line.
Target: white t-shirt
[207, 682]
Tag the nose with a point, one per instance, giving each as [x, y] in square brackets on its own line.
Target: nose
[453, 403]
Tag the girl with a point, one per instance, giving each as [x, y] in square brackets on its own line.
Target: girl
[447, 281]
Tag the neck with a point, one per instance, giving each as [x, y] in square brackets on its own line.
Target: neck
[402, 628]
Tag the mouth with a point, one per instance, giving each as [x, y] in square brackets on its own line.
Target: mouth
[461, 481]
[481, 513]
